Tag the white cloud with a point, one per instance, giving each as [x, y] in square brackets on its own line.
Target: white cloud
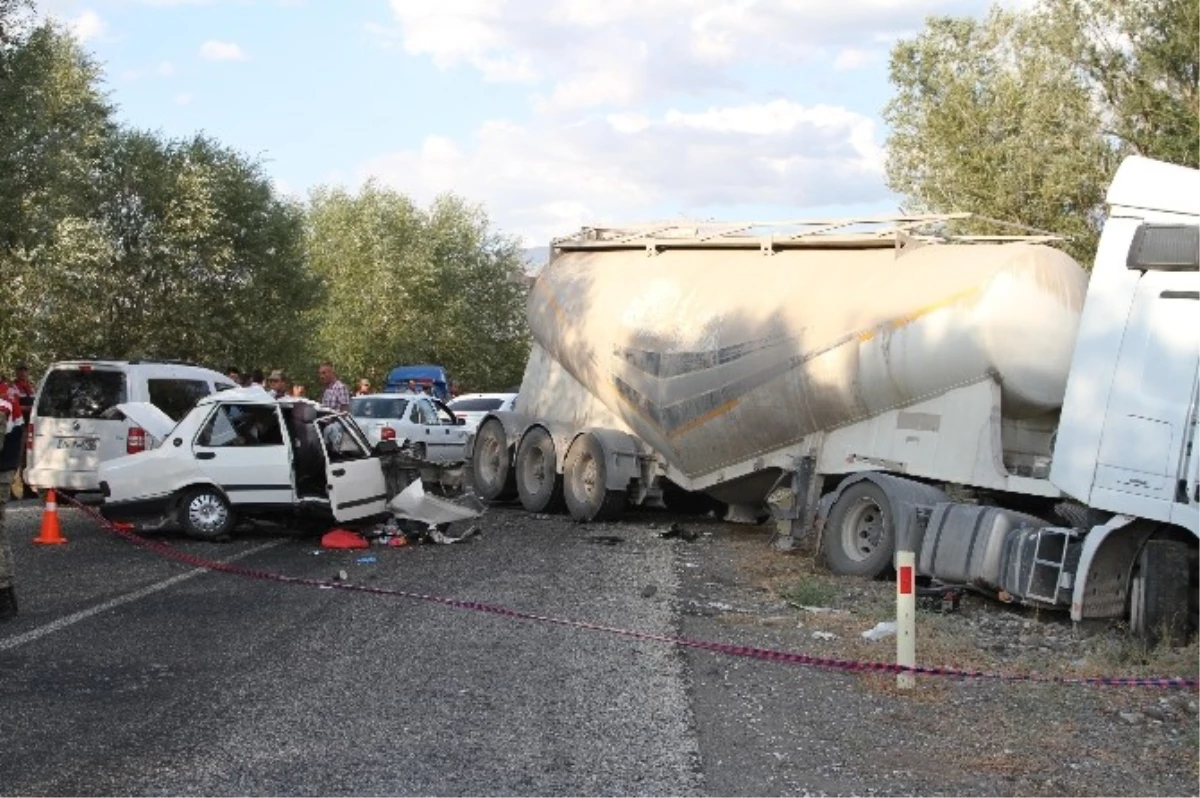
[87, 25]
[620, 53]
[183, 98]
[165, 69]
[543, 179]
[214, 50]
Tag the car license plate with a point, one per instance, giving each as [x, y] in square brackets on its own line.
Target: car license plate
[76, 444]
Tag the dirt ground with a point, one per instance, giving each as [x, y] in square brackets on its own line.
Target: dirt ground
[769, 729]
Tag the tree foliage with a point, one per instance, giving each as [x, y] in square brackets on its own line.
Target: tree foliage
[412, 285]
[119, 243]
[988, 120]
[1024, 116]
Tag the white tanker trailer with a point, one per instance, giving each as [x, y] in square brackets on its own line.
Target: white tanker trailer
[855, 381]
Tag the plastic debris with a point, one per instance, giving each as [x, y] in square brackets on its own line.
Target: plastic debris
[365, 560]
[415, 504]
[824, 636]
[819, 610]
[342, 576]
[676, 531]
[881, 631]
[437, 536]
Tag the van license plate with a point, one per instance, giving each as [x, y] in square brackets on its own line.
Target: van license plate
[77, 444]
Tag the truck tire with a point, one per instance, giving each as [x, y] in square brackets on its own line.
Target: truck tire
[1159, 587]
[491, 465]
[205, 514]
[860, 535]
[583, 483]
[539, 484]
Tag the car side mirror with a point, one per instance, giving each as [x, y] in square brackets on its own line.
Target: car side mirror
[460, 421]
[387, 447]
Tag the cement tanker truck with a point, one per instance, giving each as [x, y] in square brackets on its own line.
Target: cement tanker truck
[1027, 431]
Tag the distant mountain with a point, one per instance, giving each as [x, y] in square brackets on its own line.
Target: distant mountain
[535, 258]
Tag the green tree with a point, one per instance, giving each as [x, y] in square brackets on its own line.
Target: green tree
[1142, 59]
[187, 255]
[407, 285]
[54, 129]
[987, 119]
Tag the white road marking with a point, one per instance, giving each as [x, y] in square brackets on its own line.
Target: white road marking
[74, 618]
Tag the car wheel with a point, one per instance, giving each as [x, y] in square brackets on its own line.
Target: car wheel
[205, 514]
[539, 484]
[1158, 593]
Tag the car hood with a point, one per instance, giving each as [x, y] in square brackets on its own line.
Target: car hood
[157, 423]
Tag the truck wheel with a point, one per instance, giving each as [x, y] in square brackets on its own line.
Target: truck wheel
[583, 483]
[204, 514]
[491, 465]
[860, 536]
[1159, 604]
[539, 484]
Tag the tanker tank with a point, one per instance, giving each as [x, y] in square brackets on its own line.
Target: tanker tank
[717, 355]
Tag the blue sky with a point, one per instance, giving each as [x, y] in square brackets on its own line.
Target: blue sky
[551, 113]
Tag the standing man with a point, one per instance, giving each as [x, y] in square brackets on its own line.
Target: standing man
[13, 426]
[336, 395]
[277, 384]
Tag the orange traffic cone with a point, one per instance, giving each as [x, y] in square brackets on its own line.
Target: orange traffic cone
[50, 532]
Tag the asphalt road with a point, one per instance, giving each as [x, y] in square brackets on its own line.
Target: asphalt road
[129, 674]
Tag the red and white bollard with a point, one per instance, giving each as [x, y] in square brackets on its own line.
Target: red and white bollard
[906, 618]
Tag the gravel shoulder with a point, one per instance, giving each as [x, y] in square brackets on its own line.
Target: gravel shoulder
[773, 729]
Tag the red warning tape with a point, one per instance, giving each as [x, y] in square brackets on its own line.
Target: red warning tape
[753, 652]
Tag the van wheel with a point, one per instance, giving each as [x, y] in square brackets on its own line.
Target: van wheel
[205, 514]
[860, 537]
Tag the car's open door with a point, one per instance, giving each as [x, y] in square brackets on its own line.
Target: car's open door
[357, 488]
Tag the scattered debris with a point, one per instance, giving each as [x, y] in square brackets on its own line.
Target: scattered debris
[365, 560]
[824, 636]
[1132, 717]
[341, 576]
[819, 610]
[676, 531]
[649, 590]
[343, 539]
[415, 504]
[436, 535]
[604, 540]
[881, 631]
[939, 598]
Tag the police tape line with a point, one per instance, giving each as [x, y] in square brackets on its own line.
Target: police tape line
[751, 652]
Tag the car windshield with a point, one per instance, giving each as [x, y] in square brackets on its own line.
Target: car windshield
[469, 405]
[80, 393]
[378, 407]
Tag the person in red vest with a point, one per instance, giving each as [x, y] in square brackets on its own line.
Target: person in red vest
[13, 426]
[25, 389]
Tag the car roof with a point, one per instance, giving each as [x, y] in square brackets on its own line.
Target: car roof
[393, 395]
[256, 396]
[483, 396]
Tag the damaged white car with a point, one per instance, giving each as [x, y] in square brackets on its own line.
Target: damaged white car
[243, 453]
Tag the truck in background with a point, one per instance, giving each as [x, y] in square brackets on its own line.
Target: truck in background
[1027, 431]
[434, 377]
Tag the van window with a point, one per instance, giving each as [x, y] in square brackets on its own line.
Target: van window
[176, 397]
[75, 393]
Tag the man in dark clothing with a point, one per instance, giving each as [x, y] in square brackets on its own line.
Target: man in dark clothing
[13, 426]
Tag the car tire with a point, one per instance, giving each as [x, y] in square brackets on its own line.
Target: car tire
[491, 463]
[205, 514]
[539, 484]
[583, 483]
[1159, 587]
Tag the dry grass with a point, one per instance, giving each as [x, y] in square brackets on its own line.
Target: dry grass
[943, 640]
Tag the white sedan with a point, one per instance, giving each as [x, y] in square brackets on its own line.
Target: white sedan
[431, 430]
[474, 406]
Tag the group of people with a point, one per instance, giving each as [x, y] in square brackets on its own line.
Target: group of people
[16, 403]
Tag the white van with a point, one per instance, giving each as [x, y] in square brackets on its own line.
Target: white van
[75, 424]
